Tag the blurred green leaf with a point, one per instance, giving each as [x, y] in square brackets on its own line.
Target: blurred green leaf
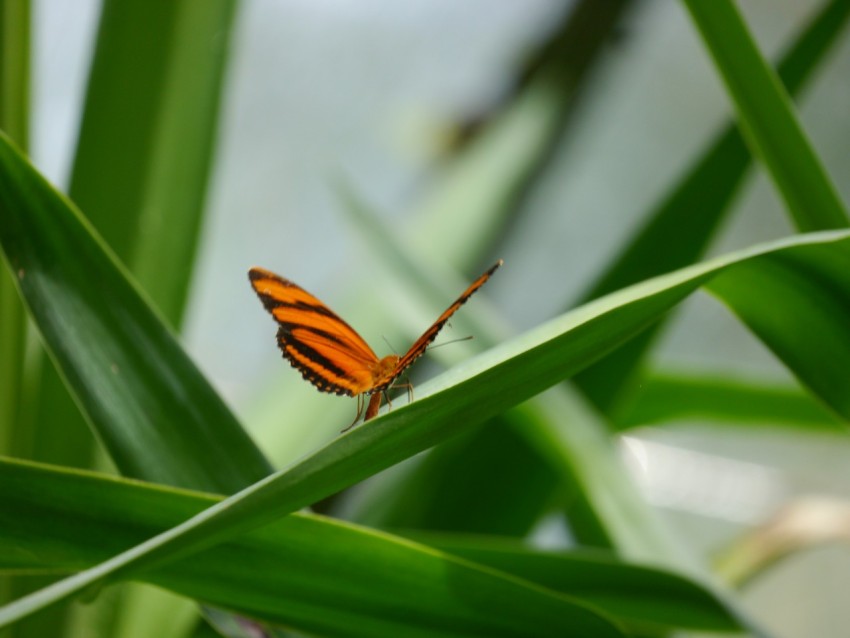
[145, 148]
[767, 118]
[476, 192]
[19, 367]
[143, 186]
[636, 595]
[491, 484]
[669, 396]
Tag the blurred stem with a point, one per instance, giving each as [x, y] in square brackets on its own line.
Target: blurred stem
[504, 151]
[805, 523]
[14, 103]
[15, 69]
[20, 365]
[14, 111]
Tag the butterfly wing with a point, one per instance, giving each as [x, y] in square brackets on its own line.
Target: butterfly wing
[316, 341]
[418, 348]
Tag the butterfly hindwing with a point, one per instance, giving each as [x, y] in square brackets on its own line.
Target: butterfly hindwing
[330, 366]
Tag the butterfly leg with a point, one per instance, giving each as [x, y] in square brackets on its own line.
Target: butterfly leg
[359, 412]
[409, 387]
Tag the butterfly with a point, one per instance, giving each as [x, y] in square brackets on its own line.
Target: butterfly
[328, 352]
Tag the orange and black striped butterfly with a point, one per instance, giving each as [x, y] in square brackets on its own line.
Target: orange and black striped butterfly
[328, 352]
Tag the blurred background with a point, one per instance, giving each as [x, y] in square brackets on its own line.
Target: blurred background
[380, 94]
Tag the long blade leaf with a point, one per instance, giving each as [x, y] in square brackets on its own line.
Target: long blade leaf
[458, 401]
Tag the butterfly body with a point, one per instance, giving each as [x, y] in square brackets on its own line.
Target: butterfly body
[325, 349]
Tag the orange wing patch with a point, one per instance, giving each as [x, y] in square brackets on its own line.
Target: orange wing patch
[327, 351]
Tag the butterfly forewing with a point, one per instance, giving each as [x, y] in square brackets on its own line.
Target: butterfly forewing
[314, 339]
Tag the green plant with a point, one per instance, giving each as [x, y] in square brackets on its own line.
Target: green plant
[437, 550]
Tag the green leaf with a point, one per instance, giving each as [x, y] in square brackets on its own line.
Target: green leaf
[147, 402]
[19, 366]
[304, 571]
[142, 186]
[453, 404]
[767, 118]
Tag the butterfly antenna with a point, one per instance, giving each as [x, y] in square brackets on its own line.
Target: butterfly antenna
[387, 341]
[445, 343]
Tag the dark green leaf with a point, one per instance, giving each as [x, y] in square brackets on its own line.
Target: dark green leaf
[145, 399]
[309, 572]
[814, 343]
